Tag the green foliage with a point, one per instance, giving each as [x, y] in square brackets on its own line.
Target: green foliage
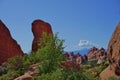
[33, 58]
[75, 75]
[55, 75]
[92, 63]
[48, 57]
[15, 63]
[3, 69]
[10, 76]
[26, 62]
[13, 68]
[106, 63]
[113, 78]
[89, 76]
[89, 64]
[50, 53]
[62, 74]
[101, 68]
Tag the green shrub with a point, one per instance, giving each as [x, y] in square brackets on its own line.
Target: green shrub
[106, 63]
[62, 74]
[90, 64]
[101, 68]
[55, 75]
[3, 69]
[10, 75]
[15, 63]
[75, 75]
[89, 76]
[113, 78]
[14, 68]
[33, 58]
[50, 53]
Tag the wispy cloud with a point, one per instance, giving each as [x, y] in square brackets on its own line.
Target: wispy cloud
[82, 44]
[86, 43]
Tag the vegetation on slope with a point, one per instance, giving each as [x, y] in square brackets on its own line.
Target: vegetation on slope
[48, 58]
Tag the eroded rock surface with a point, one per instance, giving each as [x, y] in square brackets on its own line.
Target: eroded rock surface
[96, 54]
[8, 46]
[38, 28]
[113, 53]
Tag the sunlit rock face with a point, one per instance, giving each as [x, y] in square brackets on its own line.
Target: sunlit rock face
[96, 54]
[38, 28]
[114, 44]
[8, 46]
[113, 53]
[114, 50]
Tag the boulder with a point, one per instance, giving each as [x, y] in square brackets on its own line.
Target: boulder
[38, 28]
[8, 46]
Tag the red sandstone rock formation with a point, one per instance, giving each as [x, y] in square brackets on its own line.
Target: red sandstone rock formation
[71, 57]
[113, 54]
[95, 53]
[79, 59]
[38, 28]
[8, 46]
[114, 44]
[69, 65]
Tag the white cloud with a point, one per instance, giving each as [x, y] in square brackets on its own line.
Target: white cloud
[86, 43]
[81, 45]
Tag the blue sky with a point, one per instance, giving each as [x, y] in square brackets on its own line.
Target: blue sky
[81, 23]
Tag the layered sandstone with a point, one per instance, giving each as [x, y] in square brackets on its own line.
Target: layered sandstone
[8, 46]
[38, 28]
[96, 54]
[113, 53]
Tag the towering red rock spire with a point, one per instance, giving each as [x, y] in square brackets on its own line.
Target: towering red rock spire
[8, 46]
[38, 27]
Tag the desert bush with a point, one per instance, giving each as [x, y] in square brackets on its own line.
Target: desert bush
[14, 67]
[15, 63]
[113, 78]
[89, 76]
[106, 63]
[101, 68]
[33, 58]
[50, 53]
[90, 64]
[63, 74]
[55, 75]
[10, 75]
[3, 69]
[93, 63]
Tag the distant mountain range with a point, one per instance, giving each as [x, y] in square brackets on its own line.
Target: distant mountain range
[82, 51]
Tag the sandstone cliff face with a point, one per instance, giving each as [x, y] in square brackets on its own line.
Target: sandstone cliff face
[8, 46]
[114, 50]
[113, 53]
[114, 44]
[38, 28]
